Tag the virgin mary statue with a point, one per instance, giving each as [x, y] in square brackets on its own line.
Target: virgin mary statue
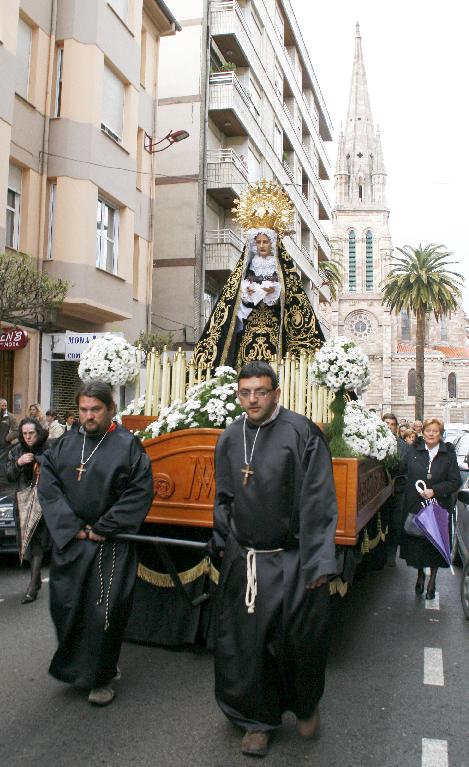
[263, 310]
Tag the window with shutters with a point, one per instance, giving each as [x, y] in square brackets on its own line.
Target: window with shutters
[352, 261]
[112, 121]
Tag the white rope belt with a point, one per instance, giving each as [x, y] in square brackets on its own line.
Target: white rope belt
[251, 575]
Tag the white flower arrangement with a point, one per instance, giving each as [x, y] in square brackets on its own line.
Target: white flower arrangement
[341, 364]
[136, 407]
[212, 404]
[111, 359]
[366, 434]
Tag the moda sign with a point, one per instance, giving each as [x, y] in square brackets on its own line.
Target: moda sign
[12, 338]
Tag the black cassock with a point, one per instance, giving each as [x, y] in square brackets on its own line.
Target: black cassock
[91, 584]
[273, 660]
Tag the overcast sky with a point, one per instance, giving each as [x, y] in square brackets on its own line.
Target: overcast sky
[416, 56]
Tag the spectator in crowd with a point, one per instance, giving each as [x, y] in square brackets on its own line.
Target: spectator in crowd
[409, 436]
[401, 429]
[393, 506]
[8, 434]
[71, 421]
[434, 461]
[34, 411]
[23, 468]
[56, 429]
[417, 426]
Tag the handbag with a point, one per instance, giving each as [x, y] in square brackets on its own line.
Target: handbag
[29, 514]
[410, 528]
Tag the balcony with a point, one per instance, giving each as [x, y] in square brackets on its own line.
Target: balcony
[227, 175]
[223, 248]
[231, 107]
[231, 32]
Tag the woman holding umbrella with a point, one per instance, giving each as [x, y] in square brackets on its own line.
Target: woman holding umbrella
[433, 461]
[22, 467]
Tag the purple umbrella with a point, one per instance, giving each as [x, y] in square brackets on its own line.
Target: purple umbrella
[432, 520]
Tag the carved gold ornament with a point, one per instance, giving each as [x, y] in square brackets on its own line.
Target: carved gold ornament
[264, 205]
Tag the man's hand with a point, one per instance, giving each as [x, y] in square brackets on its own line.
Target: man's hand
[318, 582]
[81, 535]
[94, 537]
[25, 458]
[269, 290]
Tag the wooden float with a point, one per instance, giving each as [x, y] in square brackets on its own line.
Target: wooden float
[184, 482]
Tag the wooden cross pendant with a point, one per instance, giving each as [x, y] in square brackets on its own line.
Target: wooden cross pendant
[247, 471]
[80, 469]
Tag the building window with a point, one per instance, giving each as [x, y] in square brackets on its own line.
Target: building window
[411, 383]
[12, 239]
[405, 325]
[113, 104]
[360, 192]
[369, 261]
[107, 240]
[209, 304]
[278, 141]
[452, 386]
[121, 7]
[255, 99]
[443, 328]
[352, 261]
[23, 58]
[279, 82]
[58, 82]
[50, 231]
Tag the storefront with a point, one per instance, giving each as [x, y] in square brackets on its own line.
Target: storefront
[19, 355]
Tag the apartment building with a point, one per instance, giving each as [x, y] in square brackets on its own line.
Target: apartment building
[238, 77]
[78, 122]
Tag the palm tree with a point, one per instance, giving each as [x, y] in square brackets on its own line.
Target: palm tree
[332, 274]
[420, 282]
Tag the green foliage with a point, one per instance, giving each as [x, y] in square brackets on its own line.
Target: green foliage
[332, 273]
[420, 282]
[335, 429]
[27, 297]
[149, 341]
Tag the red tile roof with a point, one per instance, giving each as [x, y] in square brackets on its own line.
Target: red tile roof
[455, 352]
[452, 352]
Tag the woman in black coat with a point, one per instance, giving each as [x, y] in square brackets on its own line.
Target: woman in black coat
[20, 468]
[433, 461]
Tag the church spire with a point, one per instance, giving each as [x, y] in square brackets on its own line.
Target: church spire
[359, 139]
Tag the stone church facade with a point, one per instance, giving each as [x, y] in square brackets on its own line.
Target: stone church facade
[361, 241]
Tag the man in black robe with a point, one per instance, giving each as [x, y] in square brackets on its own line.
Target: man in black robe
[275, 521]
[94, 483]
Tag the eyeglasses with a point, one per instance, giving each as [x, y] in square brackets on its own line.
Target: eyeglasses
[257, 393]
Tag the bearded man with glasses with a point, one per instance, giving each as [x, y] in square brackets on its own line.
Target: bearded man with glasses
[274, 529]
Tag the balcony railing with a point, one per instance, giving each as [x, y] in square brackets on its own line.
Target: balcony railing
[227, 93]
[223, 249]
[225, 169]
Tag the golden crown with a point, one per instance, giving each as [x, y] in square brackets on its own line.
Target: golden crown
[264, 204]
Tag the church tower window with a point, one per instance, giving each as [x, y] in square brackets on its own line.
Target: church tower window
[452, 386]
[405, 325]
[352, 261]
[411, 383]
[369, 261]
[360, 192]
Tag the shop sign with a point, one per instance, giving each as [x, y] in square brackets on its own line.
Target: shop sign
[77, 343]
[12, 338]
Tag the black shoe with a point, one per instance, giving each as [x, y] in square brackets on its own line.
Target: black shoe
[420, 585]
[30, 596]
[430, 592]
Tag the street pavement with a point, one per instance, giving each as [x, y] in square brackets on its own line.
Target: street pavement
[397, 691]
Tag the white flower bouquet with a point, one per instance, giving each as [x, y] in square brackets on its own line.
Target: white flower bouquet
[341, 364]
[212, 404]
[136, 407]
[366, 434]
[111, 359]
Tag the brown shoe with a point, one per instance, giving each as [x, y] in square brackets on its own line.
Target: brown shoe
[309, 728]
[255, 743]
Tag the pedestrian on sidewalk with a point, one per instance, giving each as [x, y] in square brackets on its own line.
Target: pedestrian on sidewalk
[433, 461]
[56, 429]
[22, 467]
[94, 484]
[8, 435]
[274, 527]
[392, 509]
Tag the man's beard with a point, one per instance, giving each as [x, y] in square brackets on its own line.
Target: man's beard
[96, 428]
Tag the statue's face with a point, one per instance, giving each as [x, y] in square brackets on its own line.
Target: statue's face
[263, 245]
